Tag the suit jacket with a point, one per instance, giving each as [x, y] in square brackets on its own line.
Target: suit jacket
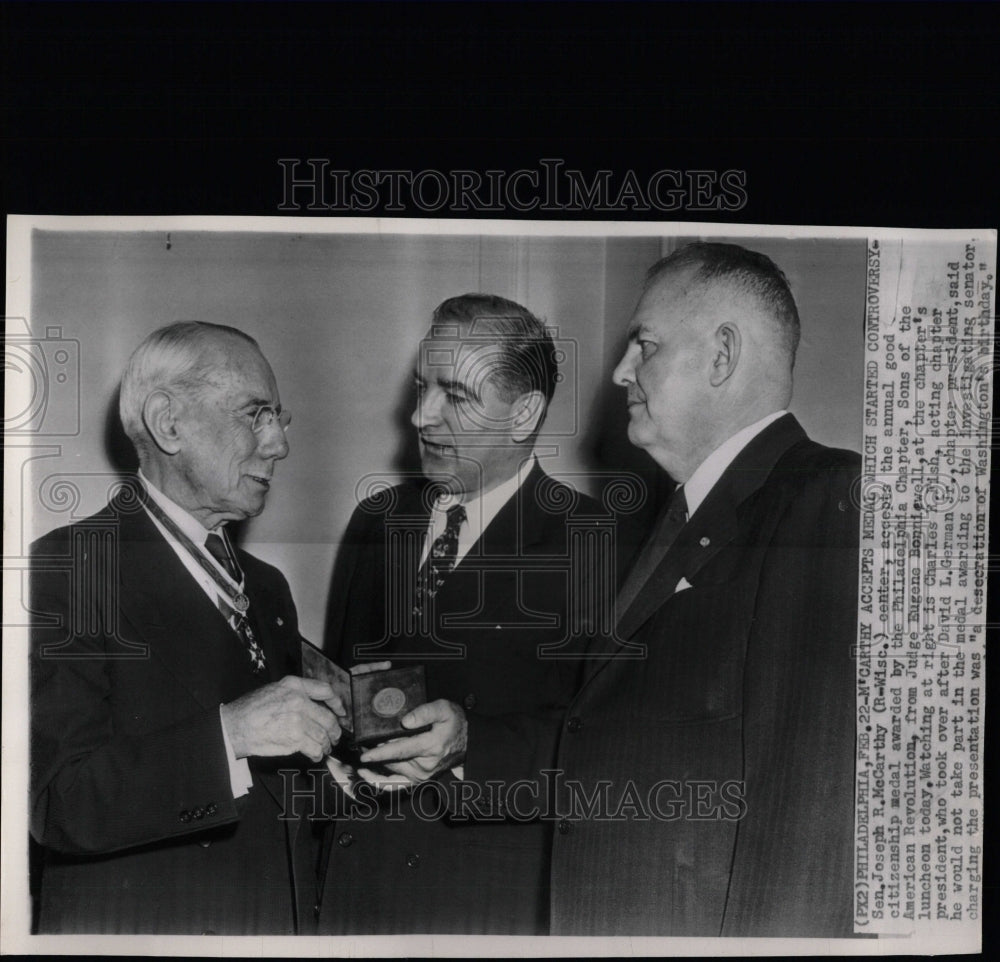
[735, 732]
[130, 789]
[390, 871]
[706, 765]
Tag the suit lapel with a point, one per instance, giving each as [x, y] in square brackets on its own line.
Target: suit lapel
[263, 623]
[705, 534]
[413, 517]
[170, 612]
[518, 525]
[711, 528]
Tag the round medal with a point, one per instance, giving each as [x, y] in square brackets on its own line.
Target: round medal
[388, 702]
[241, 603]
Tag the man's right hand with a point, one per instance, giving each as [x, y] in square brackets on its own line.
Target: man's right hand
[283, 718]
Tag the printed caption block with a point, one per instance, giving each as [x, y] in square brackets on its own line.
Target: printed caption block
[924, 496]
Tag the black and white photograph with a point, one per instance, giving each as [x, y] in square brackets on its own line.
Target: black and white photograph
[497, 480]
[456, 580]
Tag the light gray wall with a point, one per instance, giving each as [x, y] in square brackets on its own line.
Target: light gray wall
[340, 316]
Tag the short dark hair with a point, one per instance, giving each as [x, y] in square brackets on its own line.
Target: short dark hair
[526, 355]
[750, 271]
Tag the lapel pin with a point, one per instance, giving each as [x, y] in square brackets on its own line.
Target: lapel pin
[280, 621]
[705, 542]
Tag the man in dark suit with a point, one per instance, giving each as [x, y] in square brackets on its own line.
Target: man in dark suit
[164, 688]
[706, 766]
[484, 603]
[745, 604]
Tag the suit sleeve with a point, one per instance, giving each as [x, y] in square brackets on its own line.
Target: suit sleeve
[96, 788]
[337, 642]
[792, 865]
[516, 747]
[513, 747]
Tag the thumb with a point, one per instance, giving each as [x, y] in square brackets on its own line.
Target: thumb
[366, 667]
[428, 713]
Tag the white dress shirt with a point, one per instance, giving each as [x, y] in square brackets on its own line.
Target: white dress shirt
[239, 769]
[479, 512]
[697, 487]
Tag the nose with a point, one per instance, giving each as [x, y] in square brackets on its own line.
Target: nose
[428, 407]
[624, 374]
[272, 442]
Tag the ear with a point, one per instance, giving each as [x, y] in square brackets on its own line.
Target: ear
[526, 415]
[726, 345]
[159, 416]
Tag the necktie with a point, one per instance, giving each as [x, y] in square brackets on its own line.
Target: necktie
[440, 561]
[663, 536]
[218, 547]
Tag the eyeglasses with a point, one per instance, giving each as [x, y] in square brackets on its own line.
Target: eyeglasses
[266, 415]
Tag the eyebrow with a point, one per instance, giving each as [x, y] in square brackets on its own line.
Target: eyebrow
[452, 387]
[258, 402]
[636, 330]
[457, 387]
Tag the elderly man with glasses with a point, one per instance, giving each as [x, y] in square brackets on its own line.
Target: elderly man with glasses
[165, 669]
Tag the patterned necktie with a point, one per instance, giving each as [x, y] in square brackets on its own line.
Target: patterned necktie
[663, 536]
[218, 547]
[440, 561]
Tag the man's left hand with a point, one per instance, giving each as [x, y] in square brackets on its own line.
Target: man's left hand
[415, 758]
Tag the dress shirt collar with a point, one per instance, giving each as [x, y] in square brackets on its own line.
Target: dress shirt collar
[706, 475]
[188, 523]
[479, 510]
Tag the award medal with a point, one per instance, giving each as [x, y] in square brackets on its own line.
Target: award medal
[232, 597]
[256, 652]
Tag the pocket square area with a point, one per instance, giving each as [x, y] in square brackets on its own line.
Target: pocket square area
[683, 585]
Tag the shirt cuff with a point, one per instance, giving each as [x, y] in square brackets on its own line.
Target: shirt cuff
[240, 779]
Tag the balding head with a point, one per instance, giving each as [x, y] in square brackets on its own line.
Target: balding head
[749, 279]
[712, 344]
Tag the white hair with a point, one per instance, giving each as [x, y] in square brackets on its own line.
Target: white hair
[175, 358]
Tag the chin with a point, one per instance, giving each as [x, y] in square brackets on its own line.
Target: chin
[252, 510]
[432, 464]
[445, 478]
[637, 436]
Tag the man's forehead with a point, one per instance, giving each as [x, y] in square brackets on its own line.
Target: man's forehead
[677, 283]
[448, 348]
[243, 374]
[672, 298]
